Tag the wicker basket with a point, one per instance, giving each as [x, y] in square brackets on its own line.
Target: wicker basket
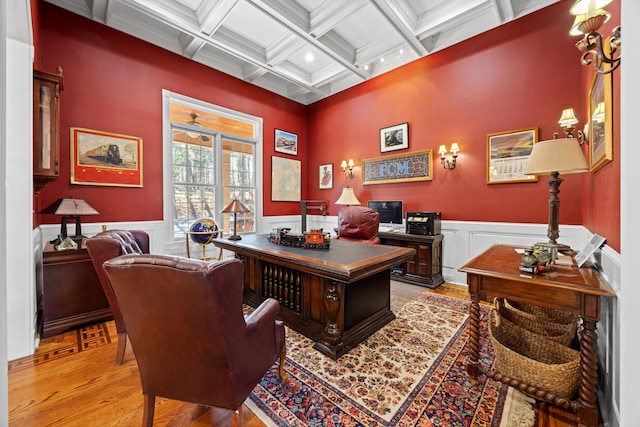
[532, 359]
[545, 313]
[562, 332]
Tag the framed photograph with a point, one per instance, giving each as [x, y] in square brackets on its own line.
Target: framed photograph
[104, 158]
[394, 137]
[286, 142]
[594, 244]
[285, 179]
[410, 167]
[600, 132]
[326, 176]
[508, 154]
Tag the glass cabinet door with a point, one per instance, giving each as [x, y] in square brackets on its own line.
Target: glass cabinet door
[46, 123]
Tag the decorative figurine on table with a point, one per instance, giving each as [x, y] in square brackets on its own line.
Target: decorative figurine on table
[535, 260]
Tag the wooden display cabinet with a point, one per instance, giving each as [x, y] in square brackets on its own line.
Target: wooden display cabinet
[46, 127]
[425, 268]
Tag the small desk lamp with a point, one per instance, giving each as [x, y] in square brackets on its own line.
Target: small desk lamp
[553, 157]
[235, 207]
[70, 209]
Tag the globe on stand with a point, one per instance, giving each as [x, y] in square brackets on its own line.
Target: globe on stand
[202, 232]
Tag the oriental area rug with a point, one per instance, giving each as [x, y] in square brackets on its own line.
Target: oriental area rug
[410, 373]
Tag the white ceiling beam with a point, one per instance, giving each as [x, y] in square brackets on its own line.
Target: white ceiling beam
[392, 13]
[190, 45]
[100, 10]
[282, 48]
[288, 17]
[212, 14]
[504, 10]
[330, 13]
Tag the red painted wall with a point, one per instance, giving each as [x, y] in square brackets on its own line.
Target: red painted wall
[601, 204]
[519, 75]
[114, 82]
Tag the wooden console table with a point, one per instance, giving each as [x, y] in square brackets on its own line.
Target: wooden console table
[425, 268]
[496, 273]
[71, 291]
[336, 297]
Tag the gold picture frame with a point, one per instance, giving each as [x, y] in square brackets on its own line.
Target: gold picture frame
[105, 158]
[508, 154]
[410, 167]
[600, 132]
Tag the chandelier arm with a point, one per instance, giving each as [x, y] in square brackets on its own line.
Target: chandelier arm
[592, 43]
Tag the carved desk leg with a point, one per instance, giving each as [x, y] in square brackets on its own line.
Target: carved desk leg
[587, 392]
[473, 364]
[332, 304]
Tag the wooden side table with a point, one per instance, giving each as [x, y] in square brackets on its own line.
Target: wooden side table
[71, 291]
[496, 273]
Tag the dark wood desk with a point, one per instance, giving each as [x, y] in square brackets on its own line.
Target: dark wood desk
[336, 297]
[71, 291]
[496, 273]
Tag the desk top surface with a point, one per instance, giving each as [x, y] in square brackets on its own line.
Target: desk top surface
[345, 259]
[502, 261]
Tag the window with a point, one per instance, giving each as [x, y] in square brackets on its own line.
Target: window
[214, 156]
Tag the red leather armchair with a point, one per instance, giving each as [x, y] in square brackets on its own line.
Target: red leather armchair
[186, 326]
[358, 224]
[110, 244]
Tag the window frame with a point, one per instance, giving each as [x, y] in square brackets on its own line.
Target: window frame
[176, 245]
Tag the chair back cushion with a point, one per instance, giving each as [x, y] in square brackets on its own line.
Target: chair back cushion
[110, 244]
[358, 223]
[186, 325]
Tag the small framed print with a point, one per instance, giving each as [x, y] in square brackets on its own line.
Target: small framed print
[286, 142]
[326, 176]
[394, 137]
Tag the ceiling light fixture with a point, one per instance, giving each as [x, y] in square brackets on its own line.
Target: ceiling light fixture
[308, 57]
[589, 18]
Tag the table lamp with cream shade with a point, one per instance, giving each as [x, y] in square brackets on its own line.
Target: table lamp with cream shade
[554, 157]
[70, 209]
[348, 197]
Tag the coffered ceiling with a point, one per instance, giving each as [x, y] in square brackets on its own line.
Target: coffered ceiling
[304, 50]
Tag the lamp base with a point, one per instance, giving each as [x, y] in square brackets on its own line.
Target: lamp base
[234, 237]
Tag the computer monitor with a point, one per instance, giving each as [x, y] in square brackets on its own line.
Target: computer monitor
[390, 210]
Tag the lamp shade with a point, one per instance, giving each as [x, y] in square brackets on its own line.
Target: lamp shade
[556, 155]
[70, 206]
[587, 6]
[235, 206]
[347, 197]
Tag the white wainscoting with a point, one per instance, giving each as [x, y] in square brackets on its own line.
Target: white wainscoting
[463, 240]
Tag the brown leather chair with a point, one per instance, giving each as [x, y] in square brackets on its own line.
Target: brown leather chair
[186, 326]
[358, 224]
[110, 244]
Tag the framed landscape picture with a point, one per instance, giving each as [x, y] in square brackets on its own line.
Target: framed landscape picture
[508, 154]
[600, 132]
[105, 158]
[394, 137]
[285, 179]
[286, 142]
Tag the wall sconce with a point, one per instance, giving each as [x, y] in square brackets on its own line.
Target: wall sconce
[589, 18]
[449, 164]
[347, 168]
[567, 122]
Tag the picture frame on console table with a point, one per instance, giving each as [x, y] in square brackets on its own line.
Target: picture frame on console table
[394, 137]
[508, 154]
[105, 158]
[600, 132]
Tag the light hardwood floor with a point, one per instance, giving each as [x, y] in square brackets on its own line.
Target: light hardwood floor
[72, 381]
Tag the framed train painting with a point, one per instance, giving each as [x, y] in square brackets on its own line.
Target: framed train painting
[105, 158]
